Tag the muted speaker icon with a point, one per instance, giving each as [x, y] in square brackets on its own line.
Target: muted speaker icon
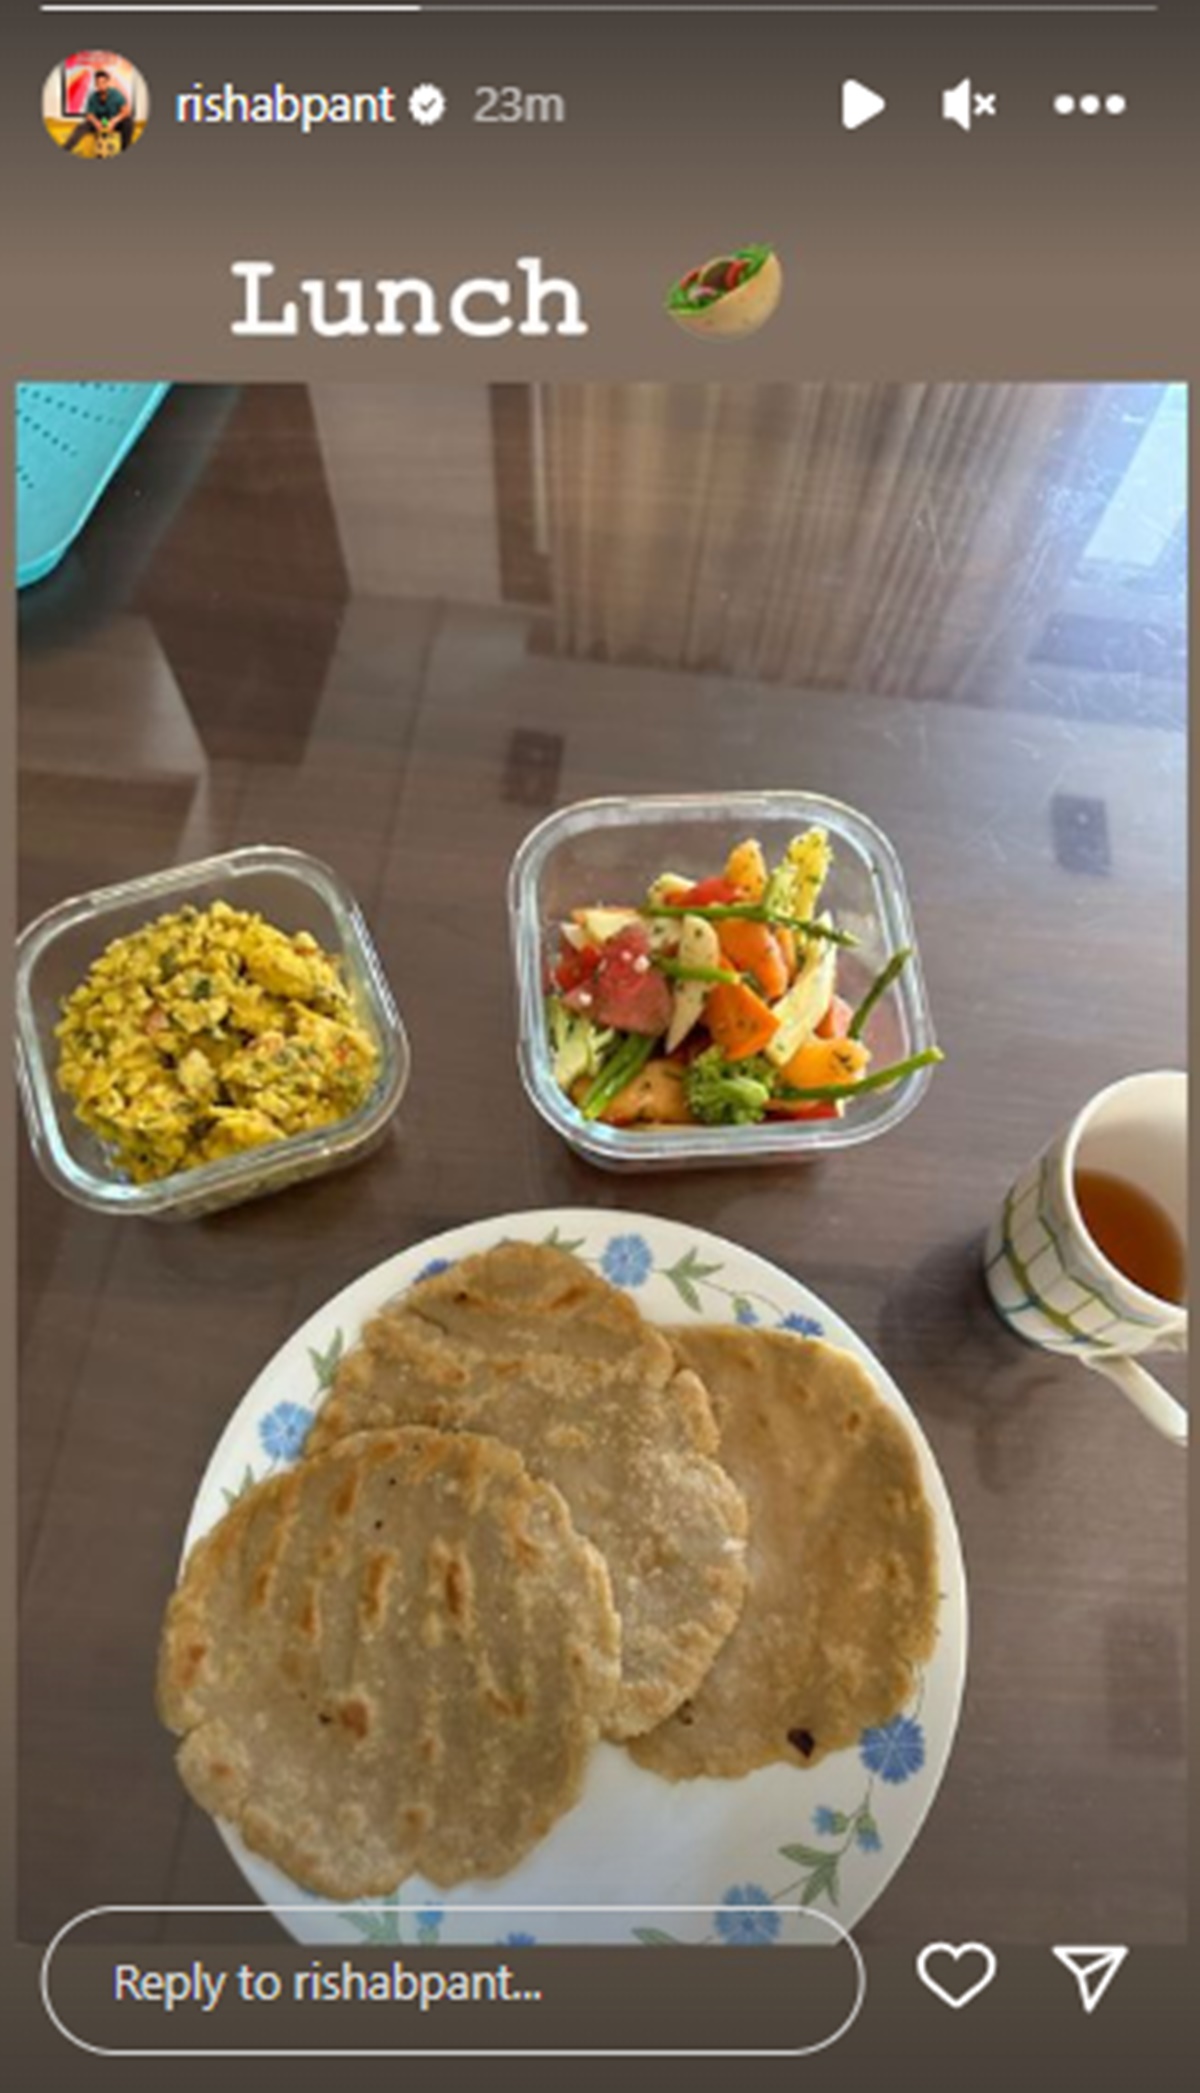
[962, 104]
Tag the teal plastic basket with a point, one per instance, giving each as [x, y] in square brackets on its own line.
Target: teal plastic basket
[71, 439]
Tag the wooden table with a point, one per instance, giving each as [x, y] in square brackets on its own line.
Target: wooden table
[396, 627]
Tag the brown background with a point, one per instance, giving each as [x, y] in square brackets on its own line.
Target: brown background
[1017, 256]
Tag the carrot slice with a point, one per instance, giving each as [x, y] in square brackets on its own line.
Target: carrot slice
[740, 1022]
[821, 1061]
[754, 949]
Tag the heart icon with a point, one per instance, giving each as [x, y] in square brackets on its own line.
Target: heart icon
[981, 1961]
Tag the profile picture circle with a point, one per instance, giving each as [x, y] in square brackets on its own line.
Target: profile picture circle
[95, 105]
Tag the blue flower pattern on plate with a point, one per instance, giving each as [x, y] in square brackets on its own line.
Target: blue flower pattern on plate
[627, 1261]
[284, 1430]
[827, 1821]
[895, 1751]
[431, 1270]
[740, 1924]
[868, 1837]
[802, 1325]
[746, 1313]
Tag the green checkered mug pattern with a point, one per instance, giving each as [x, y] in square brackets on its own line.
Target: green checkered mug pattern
[1050, 1281]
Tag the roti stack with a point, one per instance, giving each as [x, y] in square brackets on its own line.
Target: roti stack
[843, 1592]
[527, 1519]
[395, 1657]
[525, 1344]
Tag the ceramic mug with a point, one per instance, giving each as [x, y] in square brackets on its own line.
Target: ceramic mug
[1050, 1280]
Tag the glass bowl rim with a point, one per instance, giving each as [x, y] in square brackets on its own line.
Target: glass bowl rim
[663, 1147]
[273, 1158]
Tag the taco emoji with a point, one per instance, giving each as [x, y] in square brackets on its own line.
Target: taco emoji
[732, 295]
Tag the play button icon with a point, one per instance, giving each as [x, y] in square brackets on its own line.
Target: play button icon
[860, 104]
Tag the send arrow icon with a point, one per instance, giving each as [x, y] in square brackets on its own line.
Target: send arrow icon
[1093, 1970]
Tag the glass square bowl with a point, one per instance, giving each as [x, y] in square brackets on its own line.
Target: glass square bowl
[607, 851]
[291, 890]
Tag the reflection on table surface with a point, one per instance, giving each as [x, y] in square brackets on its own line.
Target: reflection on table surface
[395, 627]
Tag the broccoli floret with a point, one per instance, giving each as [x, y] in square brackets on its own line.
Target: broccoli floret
[729, 1093]
[577, 1045]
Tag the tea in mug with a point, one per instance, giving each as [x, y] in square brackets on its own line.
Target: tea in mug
[1133, 1233]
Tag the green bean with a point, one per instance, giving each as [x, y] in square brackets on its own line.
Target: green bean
[879, 1079]
[750, 912]
[879, 987]
[624, 1063]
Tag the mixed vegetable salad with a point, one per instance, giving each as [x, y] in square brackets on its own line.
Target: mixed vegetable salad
[715, 1002]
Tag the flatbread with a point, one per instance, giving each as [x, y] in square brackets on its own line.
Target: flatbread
[525, 1300]
[843, 1593]
[395, 1657]
[525, 1344]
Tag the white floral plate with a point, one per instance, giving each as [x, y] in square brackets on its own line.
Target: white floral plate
[709, 1860]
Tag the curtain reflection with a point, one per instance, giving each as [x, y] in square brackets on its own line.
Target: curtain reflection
[882, 538]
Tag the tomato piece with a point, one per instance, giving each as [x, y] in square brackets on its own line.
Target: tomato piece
[709, 893]
[823, 1109]
[836, 1022]
[576, 965]
[627, 992]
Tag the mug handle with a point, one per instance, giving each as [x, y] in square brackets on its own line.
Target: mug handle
[1146, 1394]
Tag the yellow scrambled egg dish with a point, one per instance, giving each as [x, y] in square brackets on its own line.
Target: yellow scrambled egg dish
[209, 1032]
